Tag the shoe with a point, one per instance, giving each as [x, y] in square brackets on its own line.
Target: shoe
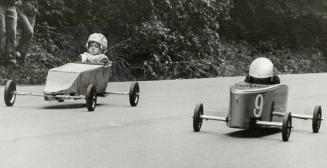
[13, 62]
[21, 57]
[18, 54]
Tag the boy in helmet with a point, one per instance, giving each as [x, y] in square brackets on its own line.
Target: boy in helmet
[96, 46]
[261, 71]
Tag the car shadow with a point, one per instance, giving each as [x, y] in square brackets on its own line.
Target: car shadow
[64, 106]
[116, 105]
[256, 133]
[77, 106]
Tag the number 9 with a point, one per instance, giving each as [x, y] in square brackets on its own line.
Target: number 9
[258, 105]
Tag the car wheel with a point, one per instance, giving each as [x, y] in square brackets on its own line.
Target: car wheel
[10, 95]
[316, 120]
[91, 98]
[197, 120]
[276, 80]
[286, 126]
[134, 94]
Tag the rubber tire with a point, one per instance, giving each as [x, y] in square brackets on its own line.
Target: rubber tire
[247, 79]
[134, 94]
[91, 98]
[287, 126]
[197, 120]
[9, 97]
[276, 80]
[316, 119]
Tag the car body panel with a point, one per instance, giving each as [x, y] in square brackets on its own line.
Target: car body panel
[251, 102]
[74, 78]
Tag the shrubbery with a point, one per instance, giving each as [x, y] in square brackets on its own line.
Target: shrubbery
[172, 39]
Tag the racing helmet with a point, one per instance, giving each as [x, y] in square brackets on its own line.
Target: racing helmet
[261, 68]
[99, 38]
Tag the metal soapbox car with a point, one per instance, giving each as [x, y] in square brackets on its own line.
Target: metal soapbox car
[256, 106]
[75, 81]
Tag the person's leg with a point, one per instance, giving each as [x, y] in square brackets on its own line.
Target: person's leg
[26, 34]
[27, 22]
[11, 25]
[31, 18]
[2, 32]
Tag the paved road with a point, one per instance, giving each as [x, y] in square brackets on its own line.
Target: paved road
[158, 132]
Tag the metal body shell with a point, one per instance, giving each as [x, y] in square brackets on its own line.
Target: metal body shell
[74, 78]
[252, 102]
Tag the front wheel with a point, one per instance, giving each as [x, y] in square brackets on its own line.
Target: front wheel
[316, 119]
[197, 120]
[287, 126]
[91, 98]
[9, 94]
[134, 94]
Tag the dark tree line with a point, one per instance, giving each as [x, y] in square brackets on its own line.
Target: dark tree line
[166, 39]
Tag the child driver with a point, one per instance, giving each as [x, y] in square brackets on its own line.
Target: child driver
[96, 46]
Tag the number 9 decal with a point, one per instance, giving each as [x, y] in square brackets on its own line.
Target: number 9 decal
[258, 105]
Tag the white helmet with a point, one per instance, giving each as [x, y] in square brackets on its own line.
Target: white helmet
[99, 38]
[261, 68]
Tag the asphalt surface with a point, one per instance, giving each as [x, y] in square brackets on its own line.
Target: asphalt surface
[158, 132]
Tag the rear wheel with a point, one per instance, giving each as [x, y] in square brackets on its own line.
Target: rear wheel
[287, 126]
[9, 94]
[197, 120]
[316, 120]
[91, 98]
[276, 80]
[134, 94]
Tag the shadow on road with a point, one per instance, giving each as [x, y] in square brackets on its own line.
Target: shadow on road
[64, 106]
[116, 105]
[79, 105]
[254, 133]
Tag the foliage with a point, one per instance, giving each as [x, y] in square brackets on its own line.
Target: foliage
[169, 39]
[291, 23]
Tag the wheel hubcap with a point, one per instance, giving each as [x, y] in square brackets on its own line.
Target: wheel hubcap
[199, 123]
[13, 97]
[136, 97]
[319, 120]
[94, 100]
[289, 126]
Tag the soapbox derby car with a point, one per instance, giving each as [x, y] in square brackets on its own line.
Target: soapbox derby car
[75, 81]
[253, 106]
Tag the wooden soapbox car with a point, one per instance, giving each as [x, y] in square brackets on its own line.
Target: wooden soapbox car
[254, 106]
[75, 81]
